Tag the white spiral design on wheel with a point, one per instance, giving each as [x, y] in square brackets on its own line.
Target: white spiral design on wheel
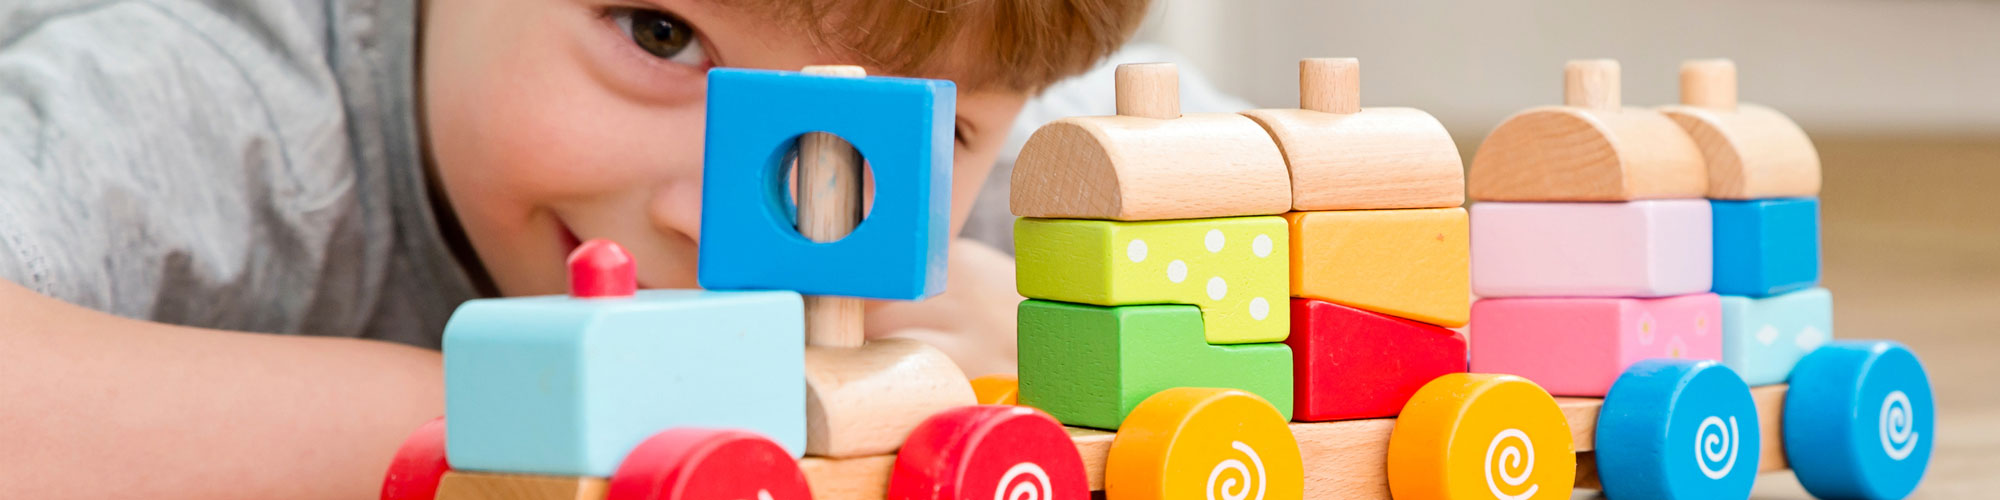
[763, 494]
[1035, 486]
[1515, 463]
[1898, 426]
[1231, 489]
[1715, 451]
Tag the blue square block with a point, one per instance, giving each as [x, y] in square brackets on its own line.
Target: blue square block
[561, 386]
[1763, 338]
[902, 127]
[1766, 247]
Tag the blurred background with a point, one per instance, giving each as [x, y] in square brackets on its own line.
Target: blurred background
[1902, 98]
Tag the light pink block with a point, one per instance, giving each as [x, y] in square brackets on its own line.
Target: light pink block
[1653, 248]
[1577, 347]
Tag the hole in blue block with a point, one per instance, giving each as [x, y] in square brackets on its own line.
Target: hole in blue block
[784, 196]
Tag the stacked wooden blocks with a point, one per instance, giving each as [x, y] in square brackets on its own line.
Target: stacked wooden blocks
[1591, 243]
[1378, 247]
[1763, 183]
[1151, 255]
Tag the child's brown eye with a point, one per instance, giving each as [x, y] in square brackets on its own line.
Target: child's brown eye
[661, 34]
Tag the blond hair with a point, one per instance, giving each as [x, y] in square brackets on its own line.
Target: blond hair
[1021, 44]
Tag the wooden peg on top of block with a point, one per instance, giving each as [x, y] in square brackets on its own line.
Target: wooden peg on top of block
[1345, 157]
[1590, 149]
[1150, 162]
[862, 398]
[829, 201]
[1752, 151]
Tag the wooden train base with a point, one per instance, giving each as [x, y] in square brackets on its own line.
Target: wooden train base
[1342, 459]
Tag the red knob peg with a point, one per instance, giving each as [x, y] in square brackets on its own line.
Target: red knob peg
[601, 269]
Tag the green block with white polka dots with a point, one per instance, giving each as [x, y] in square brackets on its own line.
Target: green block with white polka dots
[1233, 269]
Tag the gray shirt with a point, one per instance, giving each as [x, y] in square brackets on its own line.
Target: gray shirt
[245, 165]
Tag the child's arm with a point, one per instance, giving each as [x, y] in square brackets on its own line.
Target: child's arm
[97, 406]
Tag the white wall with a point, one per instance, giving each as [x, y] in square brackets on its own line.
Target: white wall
[1836, 66]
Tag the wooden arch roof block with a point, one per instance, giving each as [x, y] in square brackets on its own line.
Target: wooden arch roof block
[1150, 162]
[1345, 157]
[1590, 149]
[1752, 151]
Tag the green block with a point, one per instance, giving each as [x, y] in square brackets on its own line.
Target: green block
[1090, 365]
[1234, 269]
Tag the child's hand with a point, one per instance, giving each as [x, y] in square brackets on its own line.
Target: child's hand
[972, 321]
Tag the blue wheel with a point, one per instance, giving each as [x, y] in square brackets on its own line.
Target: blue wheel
[1859, 421]
[1678, 429]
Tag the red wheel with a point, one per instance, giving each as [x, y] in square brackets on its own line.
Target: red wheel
[980, 452]
[703, 464]
[418, 466]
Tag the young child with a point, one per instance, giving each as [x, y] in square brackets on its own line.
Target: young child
[174, 172]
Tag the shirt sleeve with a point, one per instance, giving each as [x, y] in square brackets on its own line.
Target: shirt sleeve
[165, 161]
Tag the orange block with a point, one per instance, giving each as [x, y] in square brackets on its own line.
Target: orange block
[1193, 443]
[1475, 435]
[1412, 264]
[997, 389]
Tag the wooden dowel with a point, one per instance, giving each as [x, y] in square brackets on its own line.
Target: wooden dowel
[1330, 84]
[829, 200]
[1149, 90]
[1709, 83]
[1592, 83]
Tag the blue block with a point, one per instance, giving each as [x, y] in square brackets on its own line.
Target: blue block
[1766, 247]
[561, 386]
[1678, 429]
[1859, 421]
[1762, 338]
[904, 129]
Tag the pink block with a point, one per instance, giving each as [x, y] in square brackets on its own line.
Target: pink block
[1652, 248]
[1577, 347]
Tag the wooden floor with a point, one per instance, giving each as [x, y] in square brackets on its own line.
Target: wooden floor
[1912, 253]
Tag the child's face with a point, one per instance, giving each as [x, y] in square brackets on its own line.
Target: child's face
[551, 121]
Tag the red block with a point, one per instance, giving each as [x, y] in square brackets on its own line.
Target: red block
[989, 451]
[702, 464]
[1351, 364]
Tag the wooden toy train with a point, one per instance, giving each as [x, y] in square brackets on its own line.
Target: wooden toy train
[1231, 305]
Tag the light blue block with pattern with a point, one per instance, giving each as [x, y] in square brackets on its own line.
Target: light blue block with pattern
[561, 386]
[1674, 429]
[903, 128]
[1859, 421]
[1762, 338]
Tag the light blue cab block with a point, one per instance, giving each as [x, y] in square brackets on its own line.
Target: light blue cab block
[1762, 338]
[903, 128]
[561, 386]
[1678, 429]
[1859, 421]
[1765, 247]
